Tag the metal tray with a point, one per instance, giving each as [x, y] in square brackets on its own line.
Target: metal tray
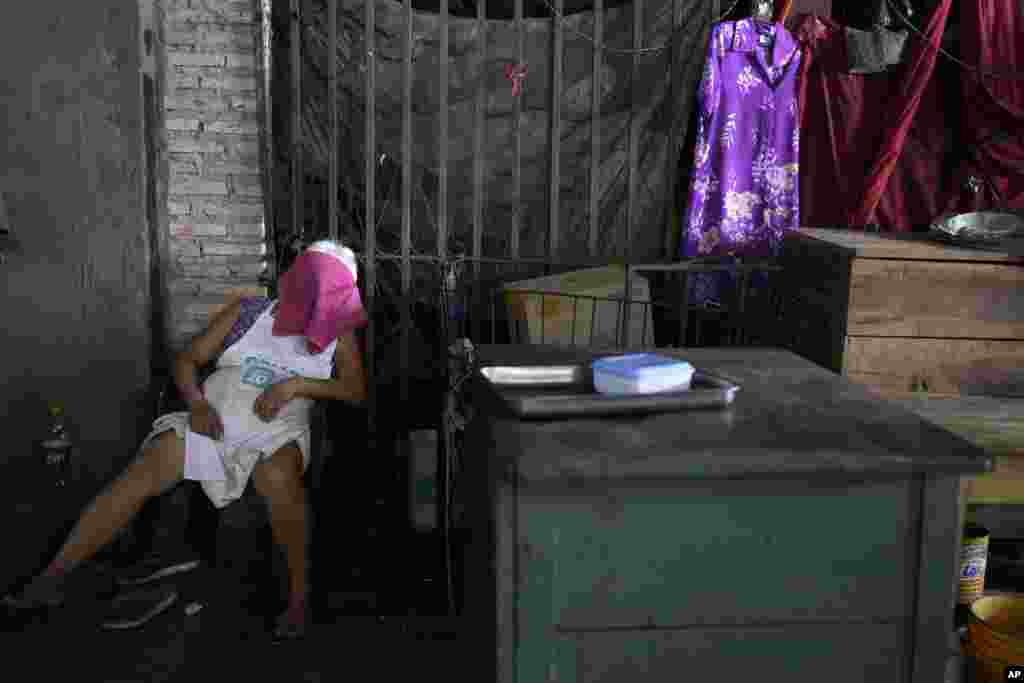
[540, 392]
[989, 230]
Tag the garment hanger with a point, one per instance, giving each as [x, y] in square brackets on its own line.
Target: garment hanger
[763, 12]
[763, 16]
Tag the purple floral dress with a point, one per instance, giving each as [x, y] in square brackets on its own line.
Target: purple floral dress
[745, 191]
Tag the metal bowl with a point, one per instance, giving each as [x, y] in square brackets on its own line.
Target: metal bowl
[979, 229]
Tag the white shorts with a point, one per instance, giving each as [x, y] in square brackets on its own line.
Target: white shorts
[237, 462]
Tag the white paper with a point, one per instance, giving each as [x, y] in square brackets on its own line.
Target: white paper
[202, 458]
[237, 429]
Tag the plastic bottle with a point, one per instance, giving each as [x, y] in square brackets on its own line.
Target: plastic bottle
[57, 446]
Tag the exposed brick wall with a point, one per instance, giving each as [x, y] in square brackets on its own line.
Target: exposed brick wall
[215, 212]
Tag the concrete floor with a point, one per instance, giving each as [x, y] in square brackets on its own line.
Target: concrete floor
[228, 638]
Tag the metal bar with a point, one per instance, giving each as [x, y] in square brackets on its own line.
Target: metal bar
[494, 319]
[623, 338]
[741, 307]
[414, 258]
[675, 130]
[684, 310]
[348, 176]
[442, 151]
[295, 49]
[370, 178]
[779, 314]
[698, 319]
[624, 329]
[634, 125]
[644, 308]
[595, 129]
[694, 267]
[441, 498]
[542, 319]
[406, 303]
[633, 151]
[517, 170]
[593, 320]
[473, 304]
[575, 302]
[269, 204]
[555, 168]
[478, 134]
[332, 102]
[578, 297]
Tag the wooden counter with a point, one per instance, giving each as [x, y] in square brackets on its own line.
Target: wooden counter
[809, 532]
[994, 424]
[903, 313]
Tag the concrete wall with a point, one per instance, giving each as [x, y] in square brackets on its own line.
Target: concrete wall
[76, 303]
[217, 232]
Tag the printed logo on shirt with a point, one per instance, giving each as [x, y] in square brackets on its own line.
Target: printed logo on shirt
[261, 373]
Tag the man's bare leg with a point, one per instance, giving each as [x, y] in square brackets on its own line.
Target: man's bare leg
[279, 481]
[157, 469]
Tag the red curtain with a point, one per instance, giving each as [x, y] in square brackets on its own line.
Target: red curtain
[901, 148]
[912, 81]
[992, 37]
[787, 10]
[845, 124]
[782, 9]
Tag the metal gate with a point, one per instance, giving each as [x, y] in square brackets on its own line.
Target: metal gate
[359, 199]
[449, 282]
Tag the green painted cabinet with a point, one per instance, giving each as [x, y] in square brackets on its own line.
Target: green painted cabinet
[807, 533]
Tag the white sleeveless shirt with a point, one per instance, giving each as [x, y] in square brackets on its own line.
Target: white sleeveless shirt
[251, 365]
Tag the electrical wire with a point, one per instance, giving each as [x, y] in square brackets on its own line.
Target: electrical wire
[969, 67]
[627, 51]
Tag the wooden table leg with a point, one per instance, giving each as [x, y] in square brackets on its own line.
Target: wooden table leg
[941, 529]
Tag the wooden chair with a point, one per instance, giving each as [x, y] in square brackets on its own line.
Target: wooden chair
[207, 526]
[204, 520]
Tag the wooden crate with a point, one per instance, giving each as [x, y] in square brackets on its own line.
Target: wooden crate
[903, 314]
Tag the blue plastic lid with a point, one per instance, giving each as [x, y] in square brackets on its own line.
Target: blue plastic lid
[634, 364]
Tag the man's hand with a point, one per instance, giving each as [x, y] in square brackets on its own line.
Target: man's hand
[203, 419]
[270, 402]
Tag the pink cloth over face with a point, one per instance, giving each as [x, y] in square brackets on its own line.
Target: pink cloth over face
[318, 300]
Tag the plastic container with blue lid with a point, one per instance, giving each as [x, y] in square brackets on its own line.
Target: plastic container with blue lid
[641, 373]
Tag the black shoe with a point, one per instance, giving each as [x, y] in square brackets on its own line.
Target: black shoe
[132, 610]
[157, 567]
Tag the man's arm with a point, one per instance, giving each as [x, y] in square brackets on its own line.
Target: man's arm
[348, 385]
[202, 350]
